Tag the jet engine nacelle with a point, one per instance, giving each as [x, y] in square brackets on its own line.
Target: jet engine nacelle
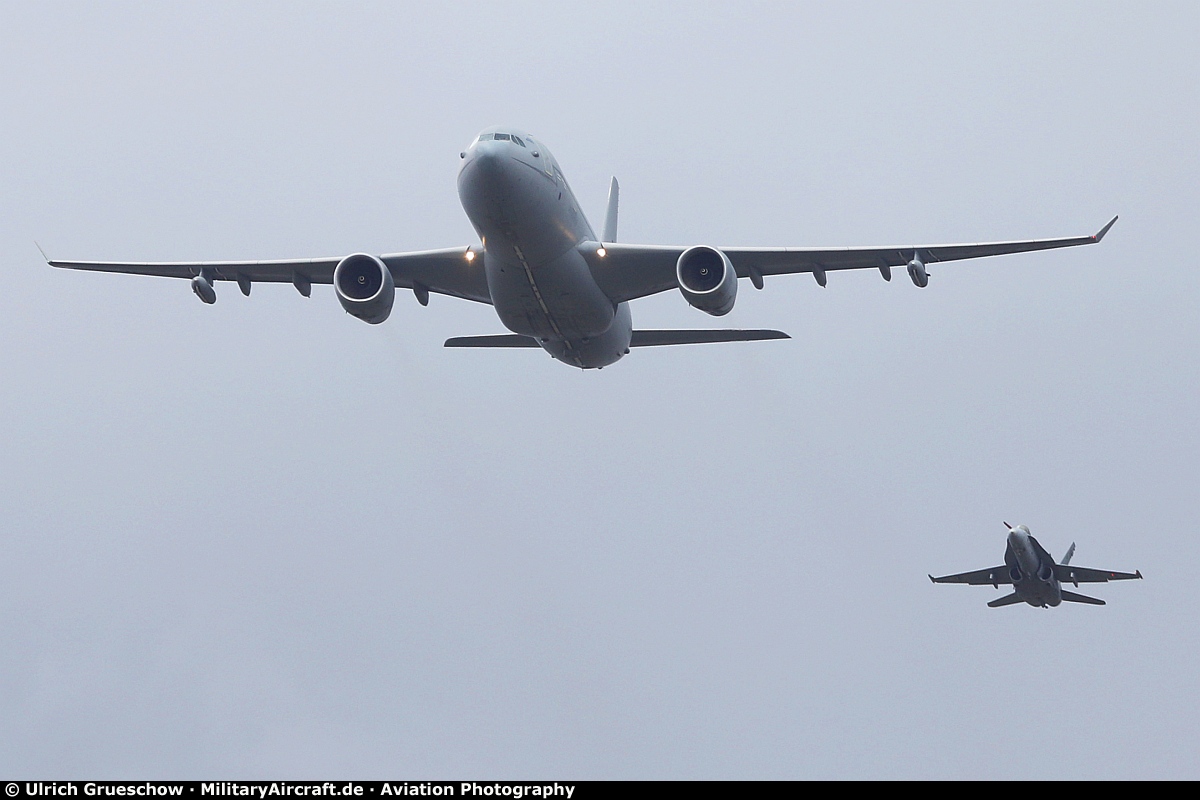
[1046, 573]
[364, 287]
[707, 280]
[1015, 574]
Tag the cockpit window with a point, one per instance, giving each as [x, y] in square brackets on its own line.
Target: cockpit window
[484, 137]
[517, 139]
[501, 137]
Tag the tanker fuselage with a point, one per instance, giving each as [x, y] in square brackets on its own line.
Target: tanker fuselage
[531, 226]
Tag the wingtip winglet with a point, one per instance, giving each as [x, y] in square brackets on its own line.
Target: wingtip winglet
[1104, 230]
[1138, 573]
[931, 580]
[43, 252]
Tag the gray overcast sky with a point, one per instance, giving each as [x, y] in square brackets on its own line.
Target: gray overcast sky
[263, 539]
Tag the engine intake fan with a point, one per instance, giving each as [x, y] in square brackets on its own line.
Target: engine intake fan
[707, 280]
[365, 287]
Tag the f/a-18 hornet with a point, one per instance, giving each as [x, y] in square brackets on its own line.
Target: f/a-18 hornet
[553, 281]
[1034, 575]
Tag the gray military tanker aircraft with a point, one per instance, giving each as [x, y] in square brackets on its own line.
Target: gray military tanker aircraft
[552, 280]
[1034, 575]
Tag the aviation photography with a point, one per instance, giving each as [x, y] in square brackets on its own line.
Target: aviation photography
[495, 400]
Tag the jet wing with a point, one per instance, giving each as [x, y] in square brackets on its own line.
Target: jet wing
[992, 576]
[446, 271]
[1070, 574]
[629, 271]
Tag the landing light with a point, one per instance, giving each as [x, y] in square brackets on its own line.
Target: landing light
[602, 252]
[470, 255]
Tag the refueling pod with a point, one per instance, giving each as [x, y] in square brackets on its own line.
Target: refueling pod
[707, 280]
[204, 289]
[365, 287]
[917, 271]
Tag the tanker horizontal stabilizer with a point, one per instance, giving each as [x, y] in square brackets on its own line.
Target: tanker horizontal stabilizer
[656, 338]
[640, 338]
[1072, 597]
[503, 340]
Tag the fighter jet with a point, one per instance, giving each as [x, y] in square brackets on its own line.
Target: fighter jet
[1032, 572]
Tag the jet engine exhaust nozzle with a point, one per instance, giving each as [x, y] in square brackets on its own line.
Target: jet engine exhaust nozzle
[365, 287]
[707, 280]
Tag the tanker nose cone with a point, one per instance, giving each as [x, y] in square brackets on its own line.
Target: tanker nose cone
[487, 172]
[487, 156]
[490, 162]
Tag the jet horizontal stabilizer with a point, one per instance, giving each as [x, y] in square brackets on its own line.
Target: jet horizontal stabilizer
[1007, 600]
[640, 338]
[1071, 597]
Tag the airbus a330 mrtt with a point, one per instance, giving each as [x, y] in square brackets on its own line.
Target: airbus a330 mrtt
[1030, 570]
[552, 280]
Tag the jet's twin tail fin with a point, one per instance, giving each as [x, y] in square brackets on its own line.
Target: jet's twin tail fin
[1070, 552]
[1007, 600]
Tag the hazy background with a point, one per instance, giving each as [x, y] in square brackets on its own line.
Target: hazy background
[263, 539]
